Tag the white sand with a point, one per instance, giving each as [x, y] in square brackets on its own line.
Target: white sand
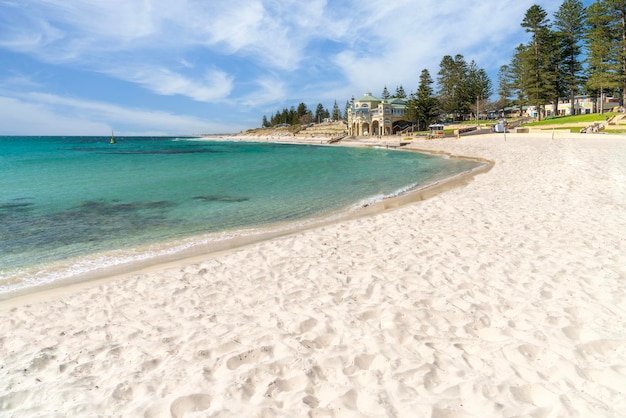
[505, 297]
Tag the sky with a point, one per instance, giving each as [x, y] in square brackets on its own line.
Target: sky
[189, 67]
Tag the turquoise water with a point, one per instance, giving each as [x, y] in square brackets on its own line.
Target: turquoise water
[71, 204]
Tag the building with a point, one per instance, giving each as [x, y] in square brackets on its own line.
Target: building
[583, 105]
[373, 116]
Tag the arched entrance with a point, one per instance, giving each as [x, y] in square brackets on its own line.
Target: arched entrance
[365, 129]
[375, 128]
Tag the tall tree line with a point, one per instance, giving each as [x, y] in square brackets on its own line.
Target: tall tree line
[301, 115]
[463, 88]
[579, 50]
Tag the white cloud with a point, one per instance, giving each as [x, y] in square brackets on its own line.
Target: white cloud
[213, 86]
[48, 114]
[18, 117]
[269, 90]
[399, 39]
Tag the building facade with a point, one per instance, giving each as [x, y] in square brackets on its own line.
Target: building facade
[371, 116]
[583, 105]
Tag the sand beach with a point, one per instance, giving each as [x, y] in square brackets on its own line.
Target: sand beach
[504, 296]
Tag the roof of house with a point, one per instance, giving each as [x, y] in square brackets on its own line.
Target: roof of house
[367, 97]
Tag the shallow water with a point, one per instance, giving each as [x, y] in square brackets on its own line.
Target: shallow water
[69, 205]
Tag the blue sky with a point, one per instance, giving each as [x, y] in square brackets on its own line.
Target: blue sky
[178, 67]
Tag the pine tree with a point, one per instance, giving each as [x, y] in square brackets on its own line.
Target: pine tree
[265, 123]
[400, 92]
[385, 94]
[347, 109]
[504, 87]
[518, 74]
[306, 118]
[602, 52]
[336, 112]
[570, 24]
[452, 85]
[424, 106]
[320, 113]
[477, 85]
[539, 79]
[276, 119]
[606, 47]
[302, 109]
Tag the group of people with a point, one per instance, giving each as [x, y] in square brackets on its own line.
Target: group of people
[591, 129]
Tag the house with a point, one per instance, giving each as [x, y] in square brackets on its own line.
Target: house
[372, 116]
[583, 105]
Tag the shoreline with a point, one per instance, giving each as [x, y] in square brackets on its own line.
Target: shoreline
[208, 244]
[502, 297]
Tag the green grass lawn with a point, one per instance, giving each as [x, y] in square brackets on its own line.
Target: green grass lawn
[566, 120]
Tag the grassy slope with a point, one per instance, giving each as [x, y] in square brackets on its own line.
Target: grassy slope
[569, 120]
[575, 123]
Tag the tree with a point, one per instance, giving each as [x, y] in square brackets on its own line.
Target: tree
[555, 69]
[518, 72]
[306, 118]
[617, 11]
[477, 85]
[400, 92]
[460, 85]
[451, 76]
[265, 123]
[347, 109]
[320, 113]
[570, 25]
[385, 94]
[606, 43]
[539, 79]
[302, 110]
[423, 106]
[603, 65]
[276, 119]
[336, 112]
[504, 87]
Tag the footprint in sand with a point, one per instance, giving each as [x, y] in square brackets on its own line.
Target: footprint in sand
[123, 392]
[296, 383]
[191, 403]
[364, 361]
[535, 394]
[372, 314]
[14, 400]
[311, 401]
[307, 325]
[250, 356]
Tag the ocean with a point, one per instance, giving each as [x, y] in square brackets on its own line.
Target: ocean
[72, 205]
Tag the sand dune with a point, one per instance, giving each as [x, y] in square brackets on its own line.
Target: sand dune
[504, 297]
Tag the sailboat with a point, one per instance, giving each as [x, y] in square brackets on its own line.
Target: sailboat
[112, 138]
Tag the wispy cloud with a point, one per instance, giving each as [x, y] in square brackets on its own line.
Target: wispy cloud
[266, 90]
[49, 114]
[213, 85]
